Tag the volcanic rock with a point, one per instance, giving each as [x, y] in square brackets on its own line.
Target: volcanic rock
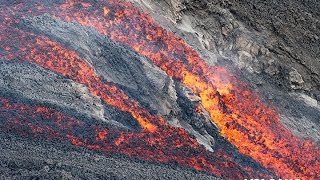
[93, 101]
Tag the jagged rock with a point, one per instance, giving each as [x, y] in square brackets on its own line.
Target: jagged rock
[244, 44]
[198, 124]
[177, 6]
[237, 26]
[245, 59]
[271, 68]
[254, 49]
[295, 79]
[257, 66]
[225, 30]
[241, 42]
[264, 51]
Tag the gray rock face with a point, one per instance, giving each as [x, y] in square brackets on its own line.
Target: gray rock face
[35, 83]
[286, 33]
[295, 79]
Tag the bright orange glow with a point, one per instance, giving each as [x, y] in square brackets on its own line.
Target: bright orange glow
[158, 141]
[253, 127]
[101, 135]
[106, 11]
[51, 55]
[244, 120]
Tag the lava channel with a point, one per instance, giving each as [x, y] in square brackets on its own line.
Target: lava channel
[162, 143]
[252, 126]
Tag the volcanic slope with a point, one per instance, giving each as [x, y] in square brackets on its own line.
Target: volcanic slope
[237, 157]
[152, 101]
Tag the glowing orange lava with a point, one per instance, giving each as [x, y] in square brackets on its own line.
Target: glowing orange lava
[162, 143]
[244, 120]
[43, 122]
[51, 55]
[253, 127]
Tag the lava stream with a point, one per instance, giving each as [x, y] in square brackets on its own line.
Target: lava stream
[162, 143]
[52, 56]
[170, 145]
[253, 127]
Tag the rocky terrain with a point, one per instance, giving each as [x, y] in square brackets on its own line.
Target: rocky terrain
[27, 159]
[86, 75]
[277, 39]
[275, 44]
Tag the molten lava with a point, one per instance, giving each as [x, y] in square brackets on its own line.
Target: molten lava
[244, 120]
[44, 122]
[158, 141]
[247, 123]
[52, 56]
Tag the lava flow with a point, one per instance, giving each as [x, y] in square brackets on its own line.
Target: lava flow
[169, 145]
[52, 56]
[253, 127]
[158, 141]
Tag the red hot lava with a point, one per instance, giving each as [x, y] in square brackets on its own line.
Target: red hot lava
[162, 143]
[167, 145]
[253, 127]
